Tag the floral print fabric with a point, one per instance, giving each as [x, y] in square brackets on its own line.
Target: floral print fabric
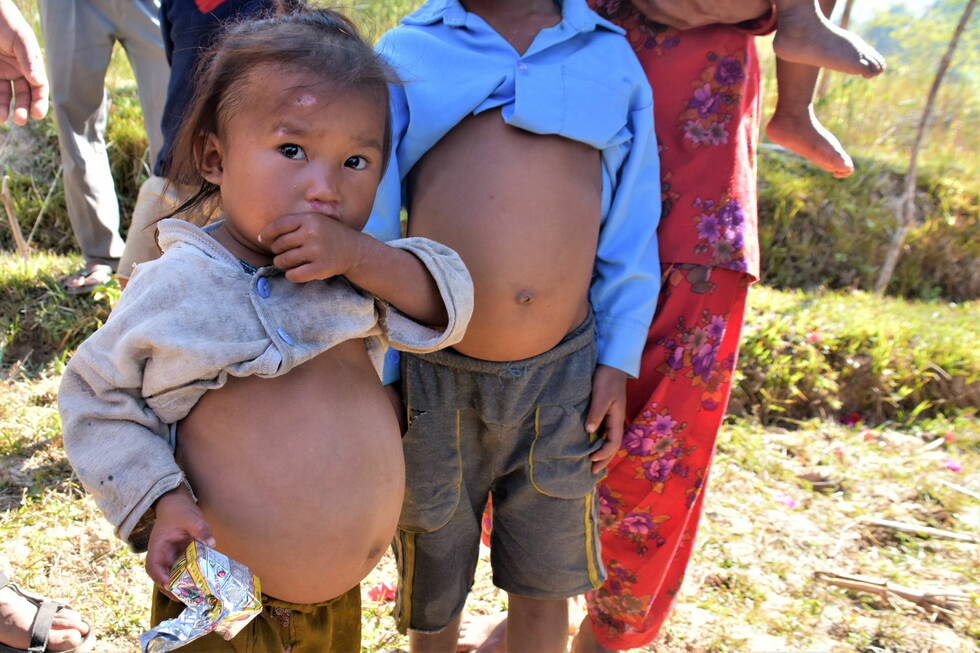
[706, 115]
[706, 89]
[650, 502]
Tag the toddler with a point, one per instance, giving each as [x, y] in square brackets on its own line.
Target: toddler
[228, 401]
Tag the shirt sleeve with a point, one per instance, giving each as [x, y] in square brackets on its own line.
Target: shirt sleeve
[455, 288]
[385, 220]
[117, 444]
[626, 280]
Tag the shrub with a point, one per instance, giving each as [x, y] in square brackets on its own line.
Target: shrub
[816, 231]
[827, 353]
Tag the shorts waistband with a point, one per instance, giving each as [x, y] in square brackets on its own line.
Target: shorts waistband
[273, 602]
[578, 338]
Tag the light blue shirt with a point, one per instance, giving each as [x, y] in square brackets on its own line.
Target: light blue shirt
[579, 79]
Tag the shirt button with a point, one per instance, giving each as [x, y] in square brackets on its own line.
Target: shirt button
[263, 287]
[521, 66]
[285, 336]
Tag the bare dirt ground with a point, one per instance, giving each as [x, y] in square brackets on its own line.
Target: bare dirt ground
[750, 587]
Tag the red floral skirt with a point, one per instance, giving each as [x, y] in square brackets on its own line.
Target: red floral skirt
[650, 502]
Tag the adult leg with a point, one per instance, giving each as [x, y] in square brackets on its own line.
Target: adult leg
[806, 36]
[650, 502]
[78, 44]
[138, 24]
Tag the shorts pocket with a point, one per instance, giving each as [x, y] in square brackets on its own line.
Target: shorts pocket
[433, 470]
[559, 459]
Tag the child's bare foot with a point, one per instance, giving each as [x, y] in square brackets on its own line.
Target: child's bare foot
[804, 135]
[483, 633]
[487, 633]
[805, 36]
[17, 617]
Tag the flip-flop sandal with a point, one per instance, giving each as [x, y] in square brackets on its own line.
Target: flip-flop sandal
[43, 618]
[91, 276]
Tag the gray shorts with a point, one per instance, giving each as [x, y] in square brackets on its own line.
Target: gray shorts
[515, 430]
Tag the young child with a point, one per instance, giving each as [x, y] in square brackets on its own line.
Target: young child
[525, 142]
[805, 41]
[267, 383]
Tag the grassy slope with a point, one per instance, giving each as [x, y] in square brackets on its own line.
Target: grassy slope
[750, 587]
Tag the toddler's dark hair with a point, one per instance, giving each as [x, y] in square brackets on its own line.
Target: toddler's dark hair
[321, 42]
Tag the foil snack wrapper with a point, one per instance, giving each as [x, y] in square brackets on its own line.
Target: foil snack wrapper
[221, 596]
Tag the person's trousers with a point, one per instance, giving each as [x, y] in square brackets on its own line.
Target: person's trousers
[79, 37]
[651, 500]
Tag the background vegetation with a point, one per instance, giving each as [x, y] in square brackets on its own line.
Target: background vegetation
[846, 406]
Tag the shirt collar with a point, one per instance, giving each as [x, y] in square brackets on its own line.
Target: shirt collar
[451, 12]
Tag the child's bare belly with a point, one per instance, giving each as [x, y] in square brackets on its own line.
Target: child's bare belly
[523, 212]
[301, 476]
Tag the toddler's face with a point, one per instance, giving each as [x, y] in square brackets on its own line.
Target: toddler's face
[294, 144]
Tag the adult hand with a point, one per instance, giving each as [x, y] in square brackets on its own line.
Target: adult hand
[687, 14]
[608, 406]
[21, 68]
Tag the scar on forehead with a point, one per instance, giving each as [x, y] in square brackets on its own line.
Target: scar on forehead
[305, 99]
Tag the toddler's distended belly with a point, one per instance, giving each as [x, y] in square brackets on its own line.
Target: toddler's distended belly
[301, 476]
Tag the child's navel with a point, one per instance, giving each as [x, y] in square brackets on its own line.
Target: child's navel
[525, 297]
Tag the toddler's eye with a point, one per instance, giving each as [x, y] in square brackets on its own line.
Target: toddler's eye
[292, 151]
[356, 162]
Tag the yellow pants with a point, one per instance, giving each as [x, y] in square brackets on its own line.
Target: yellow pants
[333, 626]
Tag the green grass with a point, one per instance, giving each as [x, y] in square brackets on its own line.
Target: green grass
[825, 353]
[40, 322]
[815, 230]
[750, 586]
[767, 525]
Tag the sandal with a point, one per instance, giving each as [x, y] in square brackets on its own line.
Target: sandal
[87, 279]
[41, 627]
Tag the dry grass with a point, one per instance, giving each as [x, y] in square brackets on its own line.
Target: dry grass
[750, 587]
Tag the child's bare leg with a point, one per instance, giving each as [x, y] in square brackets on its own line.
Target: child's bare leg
[804, 35]
[442, 642]
[794, 125]
[484, 633]
[585, 641]
[537, 625]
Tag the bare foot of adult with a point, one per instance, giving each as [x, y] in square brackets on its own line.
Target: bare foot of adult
[805, 36]
[804, 135]
[17, 615]
[483, 633]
